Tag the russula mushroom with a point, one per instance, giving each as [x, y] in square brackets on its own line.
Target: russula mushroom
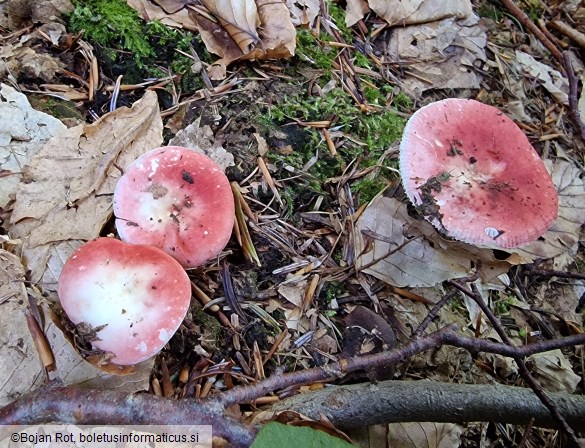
[471, 171]
[177, 200]
[134, 297]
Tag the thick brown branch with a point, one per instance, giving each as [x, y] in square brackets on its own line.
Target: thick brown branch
[403, 401]
[88, 406]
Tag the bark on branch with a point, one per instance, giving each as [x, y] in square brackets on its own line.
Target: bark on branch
[361, 405]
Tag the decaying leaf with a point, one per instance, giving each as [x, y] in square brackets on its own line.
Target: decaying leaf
[201, 139]
[426, 260]
[554, 372]
[355, 11]
[17, 351]
[23, 132]
[440, 54]
[408, 12]
[150, 12]
[303, 12]
[69, 184]
[552, 80]
[425, 435]
[239, 18]
[233, 30]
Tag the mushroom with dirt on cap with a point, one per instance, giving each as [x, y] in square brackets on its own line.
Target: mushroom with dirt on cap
[471, 171]
[131, 298]
[177, 200]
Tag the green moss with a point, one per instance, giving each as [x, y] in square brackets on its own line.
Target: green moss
[311, 50]
[364, 190]
[211, 330]
[361, 60]
[132, 47]
[338, 16]
[111, 24]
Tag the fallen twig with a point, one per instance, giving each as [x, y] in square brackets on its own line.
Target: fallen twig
[54, 403]
[524, 372]
[360, 405]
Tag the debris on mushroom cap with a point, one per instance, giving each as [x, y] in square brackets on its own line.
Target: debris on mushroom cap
[138, 292]
[471, 171]
[177, 200]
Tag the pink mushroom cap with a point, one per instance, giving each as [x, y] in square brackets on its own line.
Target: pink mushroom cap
[177, 200]
[139, 292]
[471, 171]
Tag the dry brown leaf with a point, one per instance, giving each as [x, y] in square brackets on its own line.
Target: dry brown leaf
[277, 37]
[23, 132]
[554, 372]
[233, 30]
[425, 261]
[303, 12]
[355, 11]
[277, 33]
[20, 367]
[69, 184]
[407, 12]
[150, 12]
[201, 139]
[239, 18]
[424, 435]
[171, 6]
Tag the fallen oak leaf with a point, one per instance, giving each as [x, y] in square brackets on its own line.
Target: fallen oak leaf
[276, 32]
[239, 18]
[65, 196]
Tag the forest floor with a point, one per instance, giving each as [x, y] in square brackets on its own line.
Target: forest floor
[327, 239]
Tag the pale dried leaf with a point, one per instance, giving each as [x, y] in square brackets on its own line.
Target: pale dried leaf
[552, 80]
[151, 12]
[426, 260]
[201, 139]
[20, 369]
[355, 11]
[407, 12]
[424, 435]
[23, 132]
[563, 235]
[70, 181]
[296, 321]
[239, 18]
[303, 12]
[440, 54]
[554, 372]
[294, 291]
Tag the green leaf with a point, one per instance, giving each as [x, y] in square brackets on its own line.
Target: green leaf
[277, 435]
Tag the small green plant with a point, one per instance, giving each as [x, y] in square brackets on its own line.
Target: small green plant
[502, 306]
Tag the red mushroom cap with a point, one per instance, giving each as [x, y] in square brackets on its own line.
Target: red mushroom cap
[139, 292]
[177, 200]
[472, 172]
